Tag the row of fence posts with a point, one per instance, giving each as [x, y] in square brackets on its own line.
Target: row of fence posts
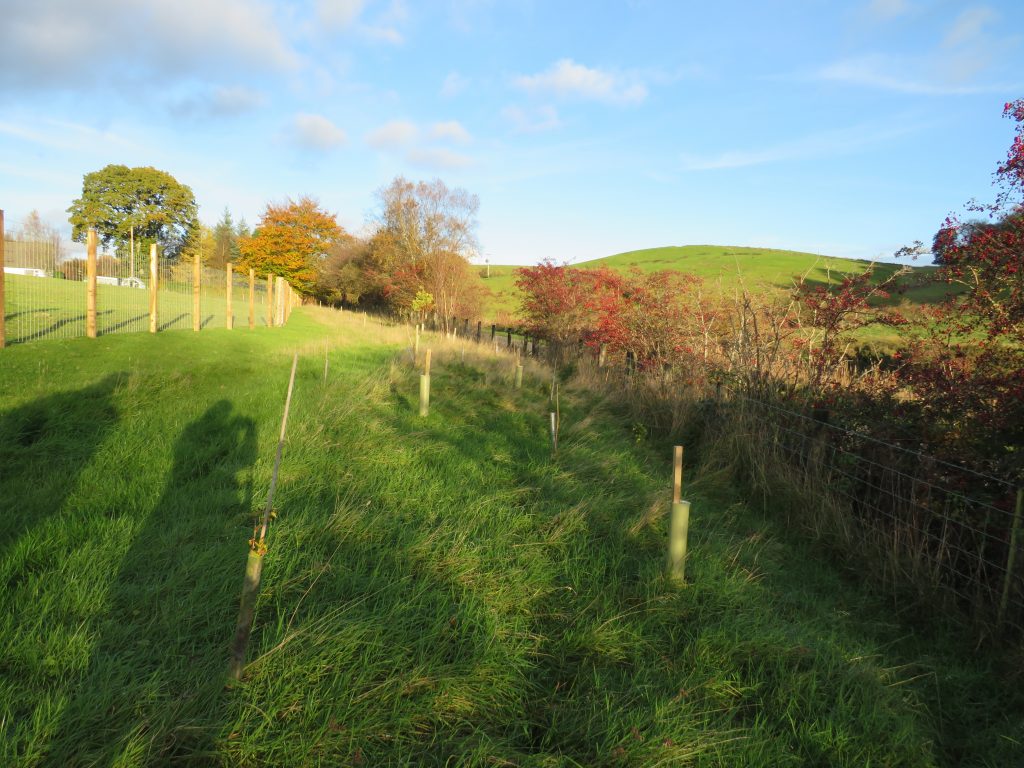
[281, 297]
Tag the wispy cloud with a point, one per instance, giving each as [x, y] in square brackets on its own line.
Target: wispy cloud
[884, 10]
[891, 74]
[219, 102]
[450, 130]
[453, 85]
[394, 134]
[438, 159]
[566, 78]
[339, 13]
[317, 133]
[819, 145]
[66, 136]
[535, 120]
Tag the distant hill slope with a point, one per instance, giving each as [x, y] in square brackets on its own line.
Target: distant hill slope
[723, 268]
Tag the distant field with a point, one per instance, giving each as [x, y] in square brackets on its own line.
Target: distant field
[724, 269]
[50, 308]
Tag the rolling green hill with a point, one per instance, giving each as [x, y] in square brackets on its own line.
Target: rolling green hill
[723, 269]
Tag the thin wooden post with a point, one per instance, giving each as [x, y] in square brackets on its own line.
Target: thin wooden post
[677, 474]
[1011, 557]
[279, 292]
[508, 345]
[425, 386]
[154, 289]
[229, 320]
[416, 347]
[252, 298]
[270, 301]
[90, 286]
[493, 331]
[3, 310]
[479, 330]
[257, 549]
[197, 284]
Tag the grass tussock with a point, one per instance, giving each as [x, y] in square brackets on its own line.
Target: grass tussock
[437, 591]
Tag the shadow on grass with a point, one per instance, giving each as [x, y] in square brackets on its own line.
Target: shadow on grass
[151, 691]
[44, 446]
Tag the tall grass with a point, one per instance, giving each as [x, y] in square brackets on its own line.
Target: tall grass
[437, 591]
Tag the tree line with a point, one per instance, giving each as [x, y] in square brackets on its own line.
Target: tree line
[415, 259]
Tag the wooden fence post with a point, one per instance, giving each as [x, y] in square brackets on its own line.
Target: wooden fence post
[252, 298]
[90, 284]
[508, 345]
[3, 332]
[279, 313]
[229, 320]
[197, 282]
[479, 330]
[493, 329]
[154, 288]
[679, 523]
[270, 301]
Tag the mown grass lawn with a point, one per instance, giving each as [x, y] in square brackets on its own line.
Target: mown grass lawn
[438, 591]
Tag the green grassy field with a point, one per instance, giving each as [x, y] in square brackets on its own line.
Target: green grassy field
[437, 591]
[724, 269]
[50, 308]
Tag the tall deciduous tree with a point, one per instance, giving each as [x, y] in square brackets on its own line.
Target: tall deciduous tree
[292, 240]
[144, 204]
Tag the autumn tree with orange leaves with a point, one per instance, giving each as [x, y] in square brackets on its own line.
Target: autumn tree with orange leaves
[291, 240]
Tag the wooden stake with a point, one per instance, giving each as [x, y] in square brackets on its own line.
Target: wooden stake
[154, 289]
[3, 310]
[197, 282]
[90, 288]
[229, 320]
[677, 474]
[257, 549]
[252, 298]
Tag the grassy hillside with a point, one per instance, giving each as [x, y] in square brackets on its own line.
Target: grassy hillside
[437, 591]
[723, 269]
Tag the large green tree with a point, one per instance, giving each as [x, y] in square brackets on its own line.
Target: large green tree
[144, 204]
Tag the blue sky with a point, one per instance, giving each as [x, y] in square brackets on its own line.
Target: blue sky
[586, 128]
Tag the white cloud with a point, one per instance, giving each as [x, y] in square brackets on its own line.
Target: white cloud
[69, 44]
[452, 130]
[438, 159]
[453, 85]
[824, 144]
[392, 135]
[887, 9]
[566, 78]
[339, 13]
[531, 121]
[316, 132]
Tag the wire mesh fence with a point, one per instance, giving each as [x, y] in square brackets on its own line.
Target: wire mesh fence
[940, 526]
[45, 297]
